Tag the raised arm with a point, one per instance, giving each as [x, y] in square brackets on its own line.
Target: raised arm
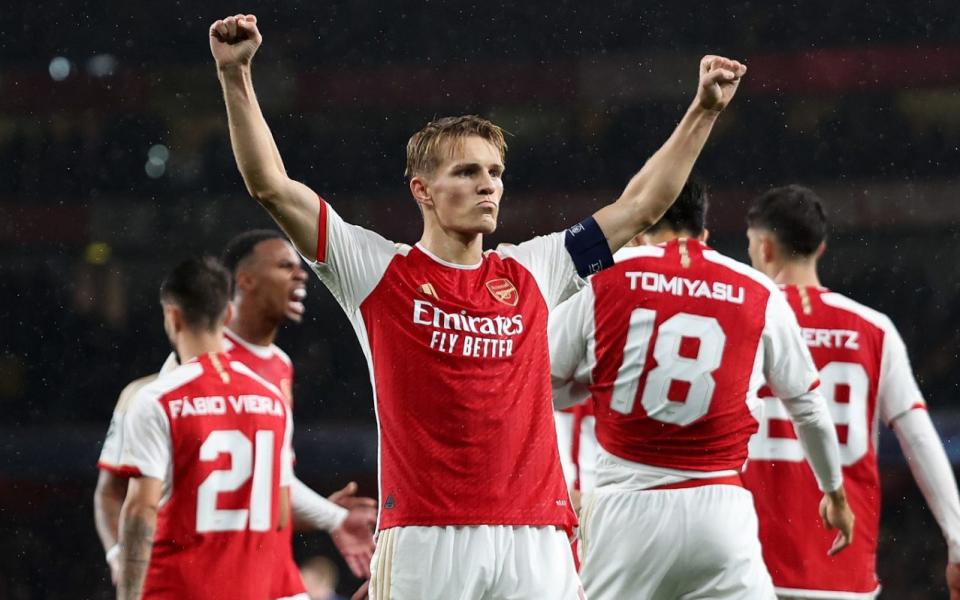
[651, 191]
[294, 206]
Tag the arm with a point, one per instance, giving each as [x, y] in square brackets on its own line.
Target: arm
[569, 329]
[651, 191]
[107, 501]
[294, 206]
[931, 469]
[138, 522]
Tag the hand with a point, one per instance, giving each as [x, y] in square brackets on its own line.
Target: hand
[349, 501]
[719, 79]
[575, 500]
[361, 593]
[354, 539]
[953, 580]
[836, 514]
[234, 40]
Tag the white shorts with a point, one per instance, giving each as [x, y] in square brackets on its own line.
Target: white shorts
[486, 562]
[679, 544]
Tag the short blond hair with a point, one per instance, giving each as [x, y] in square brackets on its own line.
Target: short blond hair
[427, 147]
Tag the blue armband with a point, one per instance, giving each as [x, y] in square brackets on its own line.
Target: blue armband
[588, 247]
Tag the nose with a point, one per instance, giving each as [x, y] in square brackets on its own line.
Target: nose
[486, 185]
[299, 274]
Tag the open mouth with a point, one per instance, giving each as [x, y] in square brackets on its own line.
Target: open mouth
[295, 302]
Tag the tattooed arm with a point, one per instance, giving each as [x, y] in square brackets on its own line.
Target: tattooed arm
[138, 522]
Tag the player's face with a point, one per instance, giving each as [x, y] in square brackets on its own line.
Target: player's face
[277, 280]
[465, 190]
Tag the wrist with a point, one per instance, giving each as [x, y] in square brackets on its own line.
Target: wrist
[338, 518]
[838, 496]
[233, 69]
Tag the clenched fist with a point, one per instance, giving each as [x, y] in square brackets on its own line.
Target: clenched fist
[719, 79]
[234, 40]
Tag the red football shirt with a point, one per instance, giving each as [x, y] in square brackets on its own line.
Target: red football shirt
[866, 376]
[673, 342]
[459, 366]
[214, 432]
[273, 364]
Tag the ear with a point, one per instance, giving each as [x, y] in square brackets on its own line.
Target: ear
[768, 249]
[228, 314]
[704, 235]
[420, 189]
[244, 281]
[172, 319]
[820, 250]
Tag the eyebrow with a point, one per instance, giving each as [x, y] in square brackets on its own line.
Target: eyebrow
[464, 165]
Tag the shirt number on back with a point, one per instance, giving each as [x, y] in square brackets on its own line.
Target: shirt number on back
[672, 366]
[246, 459]
[845, 385]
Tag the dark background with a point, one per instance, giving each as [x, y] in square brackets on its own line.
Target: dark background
[115, 164]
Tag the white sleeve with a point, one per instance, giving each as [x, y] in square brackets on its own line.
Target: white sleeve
[310, 507]
[930, 467]
[547, 258]
[818, 437]
[350, 259]
[570, 333]
[113, 443]
[146, 449]
[897, 391]
[787, 364]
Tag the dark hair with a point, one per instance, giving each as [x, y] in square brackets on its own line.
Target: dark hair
[240, 247]
[689, 213]
[794, 215]
[201, 288]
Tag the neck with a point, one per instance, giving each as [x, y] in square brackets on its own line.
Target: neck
[250, 325]
[197, 343]
[798, 272]
[453, 247]
[659, 237]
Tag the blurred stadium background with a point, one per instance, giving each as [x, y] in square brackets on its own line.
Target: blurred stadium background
[115, 163]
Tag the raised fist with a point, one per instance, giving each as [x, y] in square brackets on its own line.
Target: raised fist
[234, 40]
[719, 79]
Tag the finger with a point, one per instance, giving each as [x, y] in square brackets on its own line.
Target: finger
[361, 593]
[717, 77]
[356, 567]
[839, 543]
[231, 23]
[219, 30]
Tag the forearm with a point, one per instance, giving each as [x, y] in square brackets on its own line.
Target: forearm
[311, 510]
[253, 145]
[107, 502]
[931, 469]
[655, 187]
[818, 437]
[136, 543]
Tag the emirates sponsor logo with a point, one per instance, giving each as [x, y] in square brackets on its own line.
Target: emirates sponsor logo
[504, 291]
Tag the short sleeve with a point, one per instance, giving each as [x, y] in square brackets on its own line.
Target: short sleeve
[787, 364]
[110, 454]
[350, 260]
[547, 259]
[897, 391]
[146, 450]
[571, 338]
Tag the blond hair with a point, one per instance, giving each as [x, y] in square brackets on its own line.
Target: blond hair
[427, 147]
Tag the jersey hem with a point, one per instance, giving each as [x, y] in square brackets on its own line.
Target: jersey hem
[827, 594]
[466, 522]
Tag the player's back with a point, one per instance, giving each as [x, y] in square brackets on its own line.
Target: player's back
[678, 332]
[214, 432]
[864, 376]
